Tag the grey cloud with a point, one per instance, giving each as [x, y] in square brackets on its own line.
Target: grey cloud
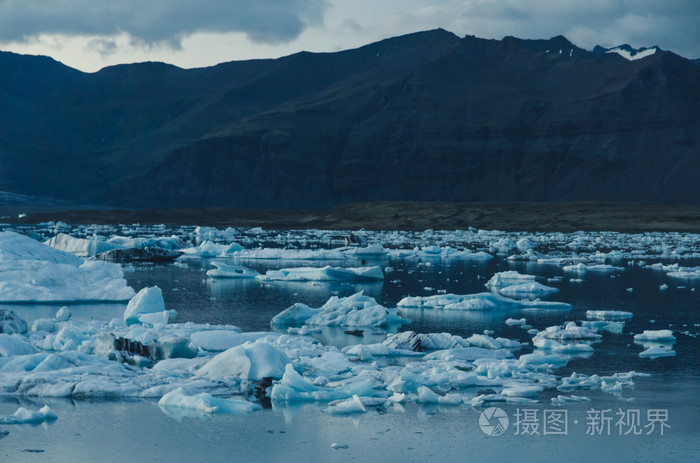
[151, 22]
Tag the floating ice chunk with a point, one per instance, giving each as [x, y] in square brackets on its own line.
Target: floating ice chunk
[408, 340]
[373, 250]
[25, 416]
[515, 322]
[355, 310]
[542, 360]
[290, 254]
[428, 396]
[294, 316]
[16, 247]
[221, 340]
[527, 290]
[11, 323]
[479, 301]
[147, 301]
[249, 361]
[663, 336]
[231, 271]
[44, 324]
[561, 400]
[555, 346]
[32, 271]
[487, 342]
[508, 278]
[204, 403]
[663, 287]
[657, 352]
[685, 273]
[326, 273]
[608, 315]
[14, 344]
[209, 249]
[346, 406]
[28, 281]
[468, 354]
[295, 388]
[597, 268]
[62, 315]
[79, 246]
[569, 331]
[517, 389]
[524, 244]
[614, 327]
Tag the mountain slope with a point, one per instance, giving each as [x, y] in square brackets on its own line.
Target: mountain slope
[427, 116]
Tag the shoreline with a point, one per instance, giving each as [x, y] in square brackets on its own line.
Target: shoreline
[410, 216]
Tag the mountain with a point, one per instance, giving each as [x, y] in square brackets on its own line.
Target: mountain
[423, 117]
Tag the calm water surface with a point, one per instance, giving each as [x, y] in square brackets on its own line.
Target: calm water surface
[139, 431]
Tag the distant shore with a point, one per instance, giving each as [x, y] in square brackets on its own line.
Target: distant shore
[547, 217]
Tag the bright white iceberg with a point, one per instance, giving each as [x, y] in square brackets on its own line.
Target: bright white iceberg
[34, 272]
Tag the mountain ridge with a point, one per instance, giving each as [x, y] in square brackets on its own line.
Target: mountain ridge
[426, 116]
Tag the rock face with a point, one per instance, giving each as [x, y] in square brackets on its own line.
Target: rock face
[427, 116]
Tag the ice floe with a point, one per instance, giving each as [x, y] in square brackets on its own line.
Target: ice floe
[327, 273]
[479, 301]
[26, 416]
[224, 270]
[179, 404]
[355, 310]
[33, 271]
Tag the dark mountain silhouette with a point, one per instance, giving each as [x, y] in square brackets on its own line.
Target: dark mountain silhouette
[426, 116]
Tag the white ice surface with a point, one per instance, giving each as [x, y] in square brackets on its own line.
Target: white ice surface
[327, 273]
[356, 310]
[479, 301]
[203, 403]
[31, 271]
[224, 270]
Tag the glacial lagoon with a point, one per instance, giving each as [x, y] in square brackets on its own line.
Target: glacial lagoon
[600, 402]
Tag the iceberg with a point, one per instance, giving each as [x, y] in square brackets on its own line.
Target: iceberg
[290, 254]
[31, 271]
[608, 315]
[250, 361]
[582, 268]
[203, 404]
[147, 307]
[25, 416]
[479, 301]
[327, 273]
[223, 270]
[209, 249]
[663, 336]
[355, 310]
[293, 387]
[80, 247]
[518, 286]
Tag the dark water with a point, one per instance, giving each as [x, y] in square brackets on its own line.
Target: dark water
[139, 431]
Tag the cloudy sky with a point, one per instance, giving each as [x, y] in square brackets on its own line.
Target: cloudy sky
[91, 34]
